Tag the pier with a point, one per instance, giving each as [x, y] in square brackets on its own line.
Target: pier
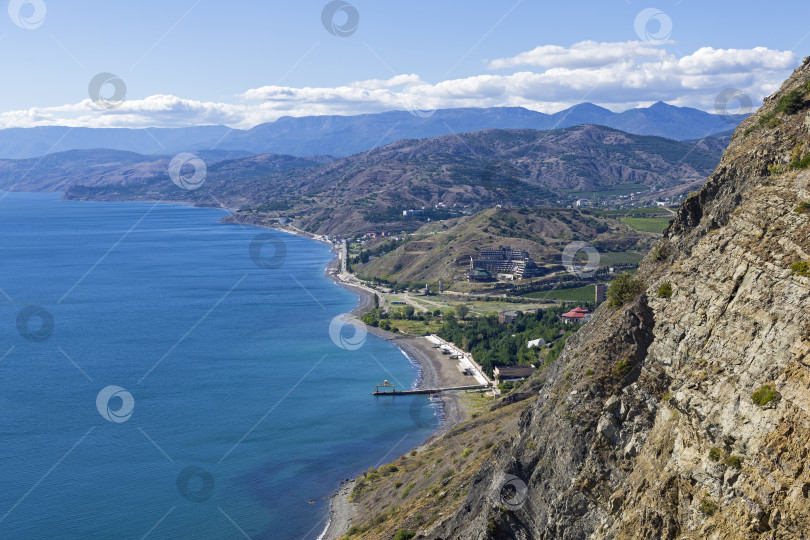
[428, 390]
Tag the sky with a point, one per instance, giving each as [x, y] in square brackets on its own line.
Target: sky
[243, 62]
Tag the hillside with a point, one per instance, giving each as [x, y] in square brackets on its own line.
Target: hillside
[684, 412]
[112, 171]
[469, 171]
[347, 135]
[370, 191]
[442, 250]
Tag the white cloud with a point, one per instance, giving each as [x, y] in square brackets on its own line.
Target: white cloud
[582, 54]
[615, 75]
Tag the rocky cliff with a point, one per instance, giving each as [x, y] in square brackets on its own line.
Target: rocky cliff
[685, 412]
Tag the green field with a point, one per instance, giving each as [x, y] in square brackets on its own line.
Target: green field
[578, 294]
[656, 225]
[620, 257]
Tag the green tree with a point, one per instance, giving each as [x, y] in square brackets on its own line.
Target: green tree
[462, 310]
[623, 289]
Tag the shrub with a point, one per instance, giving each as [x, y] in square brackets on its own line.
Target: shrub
[804, 207]
[413, 452]
[466, 452]
[764, 395]
[800, 268]
[397, 485]
[797, 161]
[623, 367]
[715, 454]
[407, 490]
[775, 169]
[665, 290]
[404, 534]
[623, 289]
[708, 506]
[391, 468]
[734, 461]
[792, 102]
[589, 372]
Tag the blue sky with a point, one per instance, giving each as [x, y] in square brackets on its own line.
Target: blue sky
[190, 62]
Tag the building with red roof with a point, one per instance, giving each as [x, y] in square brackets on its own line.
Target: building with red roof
[576, 315]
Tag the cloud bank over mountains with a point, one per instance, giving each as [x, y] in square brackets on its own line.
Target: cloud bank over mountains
[549, 78]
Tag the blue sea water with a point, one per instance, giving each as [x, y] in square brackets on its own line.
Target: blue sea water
[244, 413]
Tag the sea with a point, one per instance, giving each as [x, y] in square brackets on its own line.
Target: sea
[165, 375]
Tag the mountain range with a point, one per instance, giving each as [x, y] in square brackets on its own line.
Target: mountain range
[347, 135]
[446, 174]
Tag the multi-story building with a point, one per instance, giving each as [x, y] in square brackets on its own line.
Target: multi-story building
[504, 262]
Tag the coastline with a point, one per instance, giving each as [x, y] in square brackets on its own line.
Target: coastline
[435, 370]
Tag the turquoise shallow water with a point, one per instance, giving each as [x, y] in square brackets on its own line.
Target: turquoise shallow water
[250, 414]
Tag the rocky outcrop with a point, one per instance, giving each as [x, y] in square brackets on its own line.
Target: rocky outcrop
[685, 413]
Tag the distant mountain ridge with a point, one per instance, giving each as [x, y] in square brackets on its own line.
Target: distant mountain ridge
[347, 135]
[98, 167]
[370, 190]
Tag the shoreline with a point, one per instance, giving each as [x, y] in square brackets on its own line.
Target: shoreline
[435, 372]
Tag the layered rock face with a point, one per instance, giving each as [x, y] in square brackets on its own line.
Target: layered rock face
[684, 413]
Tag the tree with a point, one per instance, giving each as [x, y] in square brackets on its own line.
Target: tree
[623, 289]
[408, 311]
[462, 310]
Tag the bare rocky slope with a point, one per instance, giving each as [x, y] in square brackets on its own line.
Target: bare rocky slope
[685, 416]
